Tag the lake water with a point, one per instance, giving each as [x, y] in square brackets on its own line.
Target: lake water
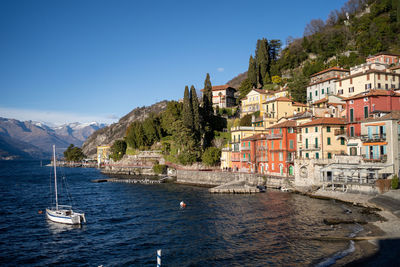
[127, 223]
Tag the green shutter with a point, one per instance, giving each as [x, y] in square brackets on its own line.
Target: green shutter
[329, 140]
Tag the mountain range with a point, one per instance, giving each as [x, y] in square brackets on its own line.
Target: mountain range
[29, 139]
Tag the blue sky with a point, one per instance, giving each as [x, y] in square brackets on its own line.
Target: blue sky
[65, 61]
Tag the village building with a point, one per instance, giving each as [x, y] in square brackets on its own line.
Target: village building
[366, 77]
[323, 84]
[223, 96]
[279, 108]
[237, 134]
[330, 106]
[386, 58]
[103, 154]
[253, 102]
[281, 149]
[320, 138]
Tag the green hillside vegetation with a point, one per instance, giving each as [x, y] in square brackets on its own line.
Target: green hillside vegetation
[183, 131]
[349, 35]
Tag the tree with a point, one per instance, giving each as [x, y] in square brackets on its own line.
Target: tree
[276, 79]
[196, 110]
[187, 113]
[252, 72]
[73, 153]
[298, 87]
[211, 156]
[245, 88]
[207, 98]
[275, 48]
[263, 62]
[118, 150]
[315, 26]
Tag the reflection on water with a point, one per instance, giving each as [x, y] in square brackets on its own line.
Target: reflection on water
[56, 228]
[127, 223]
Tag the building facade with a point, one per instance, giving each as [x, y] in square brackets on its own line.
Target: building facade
[223, 96]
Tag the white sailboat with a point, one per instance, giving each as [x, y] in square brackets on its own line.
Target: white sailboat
[62, 213]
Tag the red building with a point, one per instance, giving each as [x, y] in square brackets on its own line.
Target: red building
[248, 154]
[361, 106]
[281, 147]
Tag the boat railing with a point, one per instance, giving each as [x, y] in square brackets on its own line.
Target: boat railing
[65, 207]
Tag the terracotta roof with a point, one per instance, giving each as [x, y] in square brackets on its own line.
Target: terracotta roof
[374, 92]
[260, 91]
[323, 100]
[393, 115]
[395, 67]
[221, 87]
[324, 121]
[367, 72]
[281, 99]
[384, 53]
[298, 104]
[330, 69]
[284, 124]
[322, 81]
[254, 137]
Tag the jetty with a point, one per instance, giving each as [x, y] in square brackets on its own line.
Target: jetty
[132, 180]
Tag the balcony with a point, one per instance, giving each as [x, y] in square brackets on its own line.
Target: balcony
[261, 148]
[373, 138]
[380, 159]
[289, 159]
[244, 160]
[245, 148]
[340, 132]
[311, 147]
[235, 159]
[273, 136]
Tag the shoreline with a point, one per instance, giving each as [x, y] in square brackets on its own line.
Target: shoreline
[387, 230]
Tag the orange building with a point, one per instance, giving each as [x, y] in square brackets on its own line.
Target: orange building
[281, 147]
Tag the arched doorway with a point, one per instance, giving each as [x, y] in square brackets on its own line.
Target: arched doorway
[291, 170]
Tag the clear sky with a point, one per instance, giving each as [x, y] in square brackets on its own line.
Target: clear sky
[63, 61]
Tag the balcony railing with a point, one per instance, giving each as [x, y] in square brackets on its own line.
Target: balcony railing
[373, 138]
[261, 148]
[340, 131]
[310, 147]
[381, 158]
[245, 148]
[235, 159]
[273, 136]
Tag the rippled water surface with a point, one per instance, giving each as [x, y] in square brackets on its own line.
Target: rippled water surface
[127, 223]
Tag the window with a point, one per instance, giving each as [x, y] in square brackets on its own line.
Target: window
[316, 129]
[291, 144]
[306, 142]
[365, 112]
[340, 92]
[316, 93]
[342, 141]
[351, 89]
[379, 86]
[351, 80]
[368, 77]
[386, 86]
[351, 115]
[353, 151]
[327, 90]
[249, 144]
[329, 140]
[310, 95]
[280, 130]
[306, 130]
[272, 166]
[352, 131]
[328, 129]
[307, 155]
[280, 156]
[272, 144]
[280, 143]
[329, 155]
[322, 91]
[244, 155]
[379, 76]
[317, 155]
[316, 142]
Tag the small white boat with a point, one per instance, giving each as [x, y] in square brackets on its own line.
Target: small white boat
[62, 213]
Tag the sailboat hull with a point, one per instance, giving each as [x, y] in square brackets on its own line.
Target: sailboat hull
[65, 216]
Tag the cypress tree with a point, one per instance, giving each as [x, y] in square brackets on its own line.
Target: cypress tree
[207, 98]
[263, 61]
[187, 113]
[252, 72]
[196, 110]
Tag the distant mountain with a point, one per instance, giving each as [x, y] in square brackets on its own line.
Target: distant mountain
[237, 80]
[22, 140]
[107, 135]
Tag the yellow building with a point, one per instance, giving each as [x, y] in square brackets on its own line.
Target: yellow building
[103, 153]
[281, 107]
[253, 102]
[321, 138]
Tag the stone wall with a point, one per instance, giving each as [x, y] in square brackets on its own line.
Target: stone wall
[216, 178]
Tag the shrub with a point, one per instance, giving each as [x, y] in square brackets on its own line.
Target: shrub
[211, 156]
[395, 182]
[118, 150]
[160, 168]
[187, 158]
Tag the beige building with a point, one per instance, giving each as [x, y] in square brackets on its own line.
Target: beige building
[253, 102]
[368, 76]
[103, 154]
[280, 107]
[319, 138]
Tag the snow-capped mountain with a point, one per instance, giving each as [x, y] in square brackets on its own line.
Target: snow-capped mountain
[35, 139]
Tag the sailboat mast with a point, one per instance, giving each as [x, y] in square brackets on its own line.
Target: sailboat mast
[55, 174]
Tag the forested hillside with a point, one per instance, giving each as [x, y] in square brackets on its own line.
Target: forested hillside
[349, 35]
